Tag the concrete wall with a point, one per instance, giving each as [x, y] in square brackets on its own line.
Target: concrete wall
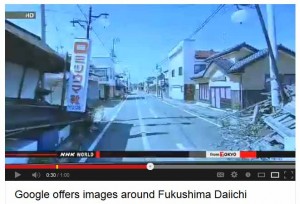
[13, 76]
[254, 76]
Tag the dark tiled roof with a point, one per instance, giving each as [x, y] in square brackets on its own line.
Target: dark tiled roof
[232, 49]
[22, 29]
[256, 56]
[287, 50]
[203, 54]
[250, 59]
[224, 64]
[230, 67]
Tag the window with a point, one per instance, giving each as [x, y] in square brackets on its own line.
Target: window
[173, 73]
[180, 71]
[199, 67]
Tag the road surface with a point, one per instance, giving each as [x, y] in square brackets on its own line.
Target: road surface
[143, 122]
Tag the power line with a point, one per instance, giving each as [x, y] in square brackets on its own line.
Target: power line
[86, 18]
[207, 20]
[92, 29]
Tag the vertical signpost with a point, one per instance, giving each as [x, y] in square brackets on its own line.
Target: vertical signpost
[79, 76]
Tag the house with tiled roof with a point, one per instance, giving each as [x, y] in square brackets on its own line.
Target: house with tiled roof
[182, 62]
[237, 77]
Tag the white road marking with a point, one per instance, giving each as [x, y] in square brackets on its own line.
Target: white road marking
[192, 114]
[143, 129]
[99, 137]
[150, 109]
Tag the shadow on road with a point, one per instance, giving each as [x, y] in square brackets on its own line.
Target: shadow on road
[136, 98]
[149, 134]
[165, 124]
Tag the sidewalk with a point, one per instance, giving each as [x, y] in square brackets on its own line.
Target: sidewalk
[200, 109]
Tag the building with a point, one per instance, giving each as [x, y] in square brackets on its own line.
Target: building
[200, 65]
[237, 77]
[31, 123]
[183, 62]
[105, 68]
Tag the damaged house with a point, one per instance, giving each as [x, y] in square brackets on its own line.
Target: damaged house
[236, 77]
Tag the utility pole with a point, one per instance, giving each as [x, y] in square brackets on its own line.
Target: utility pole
[272, 36]
[88, 21]
[43, 32]
[158, 68]
[276, 87]
[89, 24]
[43, 23]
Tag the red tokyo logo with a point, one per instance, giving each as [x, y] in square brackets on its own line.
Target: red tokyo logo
[228, 154]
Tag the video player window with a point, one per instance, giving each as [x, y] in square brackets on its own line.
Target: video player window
[81, 93]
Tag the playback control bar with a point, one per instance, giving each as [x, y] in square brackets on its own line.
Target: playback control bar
[152, 172]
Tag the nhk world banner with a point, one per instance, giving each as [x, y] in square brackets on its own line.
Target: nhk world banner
[79, 76]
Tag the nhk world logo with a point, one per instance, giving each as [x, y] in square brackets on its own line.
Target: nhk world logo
[223, 154]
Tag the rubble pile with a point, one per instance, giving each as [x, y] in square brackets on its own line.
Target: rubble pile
[256, 128]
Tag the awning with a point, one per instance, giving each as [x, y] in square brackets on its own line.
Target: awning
[27, 49]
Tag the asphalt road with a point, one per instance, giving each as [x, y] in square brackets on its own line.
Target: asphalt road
[143, 122]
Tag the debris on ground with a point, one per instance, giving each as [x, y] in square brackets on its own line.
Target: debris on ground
[257, 128]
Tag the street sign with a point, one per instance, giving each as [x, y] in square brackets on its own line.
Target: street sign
[79, 76]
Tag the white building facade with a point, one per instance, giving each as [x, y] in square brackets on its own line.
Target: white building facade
[181, 62]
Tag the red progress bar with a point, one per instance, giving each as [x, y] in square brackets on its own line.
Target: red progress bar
[102, 166]
[248, 154]
[76, 166]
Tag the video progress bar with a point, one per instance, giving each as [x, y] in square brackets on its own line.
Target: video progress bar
[182, 166]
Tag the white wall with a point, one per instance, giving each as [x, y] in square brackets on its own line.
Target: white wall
[13, 76]
[183, 55]
[232, 81]
[189, 61]
[175, 62]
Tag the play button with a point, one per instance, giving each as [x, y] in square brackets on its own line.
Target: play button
[17, 174]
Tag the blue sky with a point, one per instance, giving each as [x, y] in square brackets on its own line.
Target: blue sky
[148, 32]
